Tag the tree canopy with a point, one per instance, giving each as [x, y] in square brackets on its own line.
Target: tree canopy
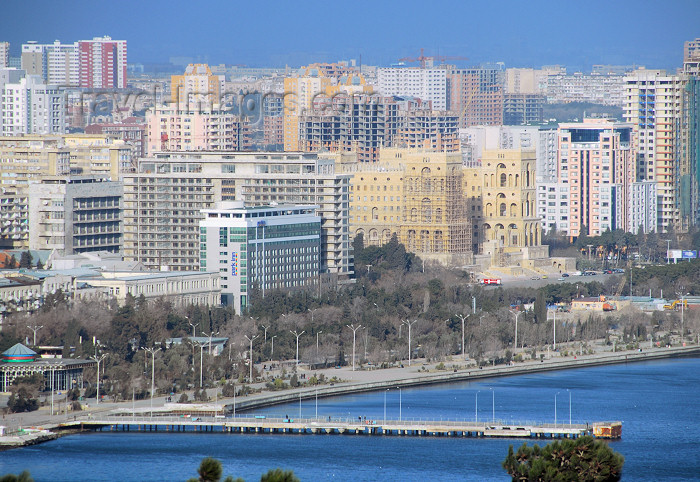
[581, 459]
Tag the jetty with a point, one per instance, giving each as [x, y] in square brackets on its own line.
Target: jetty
[331, 426]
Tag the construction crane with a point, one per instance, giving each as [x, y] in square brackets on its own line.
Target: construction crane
[422, 58]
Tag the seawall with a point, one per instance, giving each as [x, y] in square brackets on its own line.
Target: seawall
[418, 379]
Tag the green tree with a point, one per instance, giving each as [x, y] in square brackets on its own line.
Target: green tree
[540, 307]
[279, 475]
[210, 470]
[581, 459]
[25, 261]
[23, 477]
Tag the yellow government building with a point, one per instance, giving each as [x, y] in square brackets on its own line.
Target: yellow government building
[440, 210]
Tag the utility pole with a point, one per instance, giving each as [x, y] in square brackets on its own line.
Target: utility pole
[354, 331]
[250, 377]
[297, 335]
[409, 324]
[35, 328]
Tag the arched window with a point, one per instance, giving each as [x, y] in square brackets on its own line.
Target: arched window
[375, 214]
[513, 210]
[502, 209]
[503, 179]
[414, 215]
[438, 215]
[427, 211]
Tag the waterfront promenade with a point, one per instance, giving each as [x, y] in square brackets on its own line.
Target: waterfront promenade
[353, 382]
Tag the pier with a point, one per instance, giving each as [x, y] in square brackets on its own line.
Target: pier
[334, 426]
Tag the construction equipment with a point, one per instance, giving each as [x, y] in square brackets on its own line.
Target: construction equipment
[423, 58]
[676, 305]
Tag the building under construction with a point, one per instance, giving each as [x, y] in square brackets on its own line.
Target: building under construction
[417, 195]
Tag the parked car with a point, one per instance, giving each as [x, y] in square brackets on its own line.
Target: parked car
[618, 270]
[607, 271]
[535, 278]
[565, 275]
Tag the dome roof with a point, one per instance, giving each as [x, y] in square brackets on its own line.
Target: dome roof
[18, 354]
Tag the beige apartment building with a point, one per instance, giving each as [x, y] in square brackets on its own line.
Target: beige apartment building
[164, 198]
[27, 159]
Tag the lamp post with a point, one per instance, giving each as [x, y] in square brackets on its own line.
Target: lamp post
[515, 344]
[463, 318]
[265, 328]
[312, 314]
[272, 348]
[400, 418]
[354, 331]
[384, 423]
[250, 377]
[317, 333]
[153, 352]
[194, 328]
[210, 335]
[98, 360]
[555, 408]
[493, 405]
[409, 324]
[569, 405]
[476, 406]
[53, 377]
[297, 335]
[35, 328]
[201, 363]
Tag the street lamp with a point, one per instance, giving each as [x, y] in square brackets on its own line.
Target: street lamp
[265, 328]
[554, 327]
[35, 328]
[272, 348]
[569, 405]
[250, 377]
[317, 333]
[476, 406]
[555, 408]
[400, 418]
[515, 344]
[210, 335]
[409, 324]
[153, 352]
[297, 335]
[53, 377]
[463, 318]
[98, 360]
[354, 331]
[194, 328]
[493, 405]
[385, 405]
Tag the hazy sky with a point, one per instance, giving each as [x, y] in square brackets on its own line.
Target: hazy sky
[521, 33]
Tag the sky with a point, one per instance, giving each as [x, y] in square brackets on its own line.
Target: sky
[520, 33]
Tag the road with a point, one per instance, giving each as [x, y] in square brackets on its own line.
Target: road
[530, 283]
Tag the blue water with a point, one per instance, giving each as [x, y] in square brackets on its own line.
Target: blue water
[658, 403]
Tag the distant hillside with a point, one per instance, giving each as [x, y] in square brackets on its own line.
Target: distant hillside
[574, 111]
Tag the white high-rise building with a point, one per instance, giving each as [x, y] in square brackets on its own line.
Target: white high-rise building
[31, 107]
[4, 54]
[56, 63]
[426, 84]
